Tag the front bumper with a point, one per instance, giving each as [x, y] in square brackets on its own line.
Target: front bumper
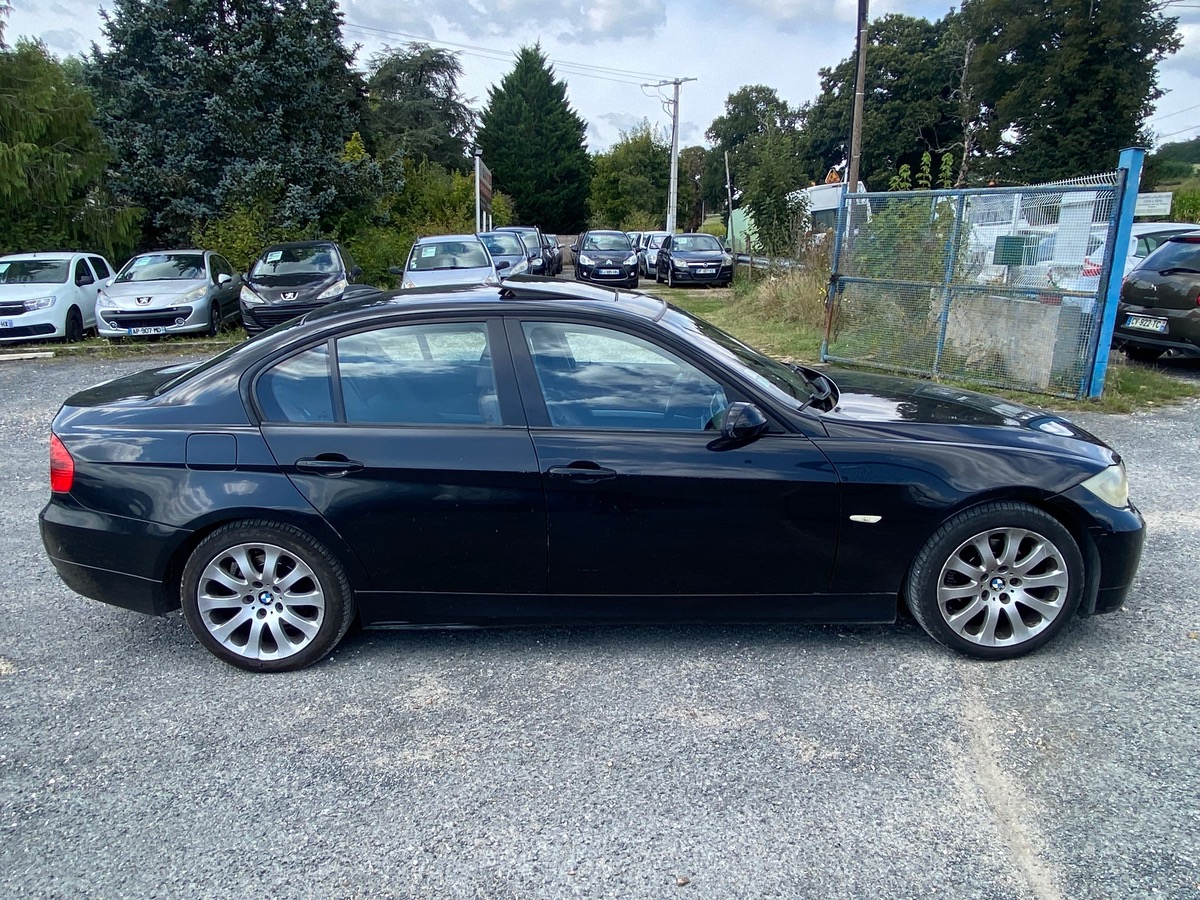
[114, 322]
[34, 325]
[262, 316]
[696, 274]
[607, 274]
[1112, 549]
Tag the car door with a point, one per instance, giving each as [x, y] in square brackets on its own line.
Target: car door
[227, 291]
[642, 498]
[87, 286]
[409, 440]
[663, 259]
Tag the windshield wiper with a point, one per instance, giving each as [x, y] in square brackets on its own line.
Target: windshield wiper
[1179, 270]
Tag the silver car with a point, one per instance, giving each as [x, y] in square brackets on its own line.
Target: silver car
[448, 259]
[169, 292]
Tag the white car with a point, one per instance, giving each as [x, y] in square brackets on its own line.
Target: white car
[49, 295]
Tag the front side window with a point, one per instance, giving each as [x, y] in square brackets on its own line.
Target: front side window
[98, 264]
[82, 273]
[419, 375]
[599, 378]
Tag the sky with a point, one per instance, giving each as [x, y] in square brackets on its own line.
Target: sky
[607, 50]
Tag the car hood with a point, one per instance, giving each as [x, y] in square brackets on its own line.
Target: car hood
[607, 257]
[300, 288]
[160, 293]
[439, 277]
[868, 398]
[28, 291]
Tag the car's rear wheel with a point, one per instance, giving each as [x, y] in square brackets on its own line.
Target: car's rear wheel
[214, 318]
[265, 596]
[73, 328]
[1142, 354]
[997, 581]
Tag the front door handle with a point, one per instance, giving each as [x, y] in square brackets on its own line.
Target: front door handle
[583, 473]
[333, 465]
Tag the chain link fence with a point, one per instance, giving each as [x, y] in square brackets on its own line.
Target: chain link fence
[999, 286]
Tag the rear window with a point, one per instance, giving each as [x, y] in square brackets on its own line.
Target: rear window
[1177, 253]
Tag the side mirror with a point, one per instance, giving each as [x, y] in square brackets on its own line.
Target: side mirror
[356, 273]
[743, 422]
[85, 279]
[396, 270]
[574, 248]
[223, 278]
[110, 282]
[503, 264]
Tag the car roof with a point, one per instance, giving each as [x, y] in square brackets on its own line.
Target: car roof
[444, 238]
[288, 245]
[606, 231]
[47, 254]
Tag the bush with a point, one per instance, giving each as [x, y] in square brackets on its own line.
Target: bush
[375, 249]
[795, 296]
[716, 229]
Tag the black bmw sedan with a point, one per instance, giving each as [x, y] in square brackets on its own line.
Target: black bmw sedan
[553, 452]
[288, 280]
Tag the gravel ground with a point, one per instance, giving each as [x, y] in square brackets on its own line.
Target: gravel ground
[598, 762]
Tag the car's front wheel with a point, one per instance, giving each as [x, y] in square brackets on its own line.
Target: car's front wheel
[997, 581]
[265, 596]
[214, 318]
[73, 329]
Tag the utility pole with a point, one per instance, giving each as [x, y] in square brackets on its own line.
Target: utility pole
[729, 194]
[673, 194]
[859, 92]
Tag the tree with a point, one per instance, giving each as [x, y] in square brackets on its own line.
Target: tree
[751, 110]
[416, 109]
[631, 179]
[1065, 84]
[771, 181]
[216, 105]
[910, 102]
[533, 142]
[52, 160]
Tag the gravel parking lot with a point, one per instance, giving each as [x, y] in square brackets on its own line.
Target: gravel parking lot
[698, 762]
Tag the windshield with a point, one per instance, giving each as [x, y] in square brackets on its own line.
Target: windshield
[296, 261]
[656, 240]
[163, 267]
[697, 242]
[781, 380]
[503, 244]
[448, 255]
[606, 242]
[34, 271]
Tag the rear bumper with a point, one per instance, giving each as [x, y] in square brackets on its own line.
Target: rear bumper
[1182, 334]
[119, 561]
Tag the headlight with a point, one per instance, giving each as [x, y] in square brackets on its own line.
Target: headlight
[408, 284]
[727, 260]
[250, 298]
[1111, 486]
[679, 264]
[334, 290]
[586, 260]
[631, 259]
[103, 301]
[536, 261]
[193, 295]
[39, 303]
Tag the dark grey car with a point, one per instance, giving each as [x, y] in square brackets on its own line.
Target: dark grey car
[1160, 302]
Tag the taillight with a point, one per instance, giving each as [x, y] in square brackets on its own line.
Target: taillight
[1090, 268]
[62, 467]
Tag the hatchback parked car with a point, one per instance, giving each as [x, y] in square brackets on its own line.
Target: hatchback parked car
[172, 292]
[291, 279]
[555, 452]
[647, 250]
[1160, 302]
[49, 295]
[532, 236]
[553, 254]
[605, 257]
[449, 259]
[507, 247]
[693, 259]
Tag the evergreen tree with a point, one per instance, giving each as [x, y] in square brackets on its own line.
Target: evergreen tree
[216, 105]
[533, 142]
[416, 109]
[52, 159]
[1065, 84]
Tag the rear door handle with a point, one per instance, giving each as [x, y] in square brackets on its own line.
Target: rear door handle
[583, 474]
[331, 464]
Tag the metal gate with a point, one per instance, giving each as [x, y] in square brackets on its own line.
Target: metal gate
[1007, 287]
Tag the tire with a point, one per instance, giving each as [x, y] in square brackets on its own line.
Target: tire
[73, 327]
[657, 276]
[968, 587]
[304, 609]
[214, 318]
[1142, 354]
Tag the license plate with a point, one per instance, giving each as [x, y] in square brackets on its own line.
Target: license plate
[609, 271]
[149, 329]
[706, 271]
[6, 323]
[1147, 323]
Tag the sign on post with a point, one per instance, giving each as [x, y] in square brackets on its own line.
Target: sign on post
[1155, 204]
[483, 195]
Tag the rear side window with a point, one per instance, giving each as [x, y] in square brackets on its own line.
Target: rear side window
[298, 389]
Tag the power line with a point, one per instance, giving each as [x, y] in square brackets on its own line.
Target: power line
[1180, 131]
[1176, 113]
